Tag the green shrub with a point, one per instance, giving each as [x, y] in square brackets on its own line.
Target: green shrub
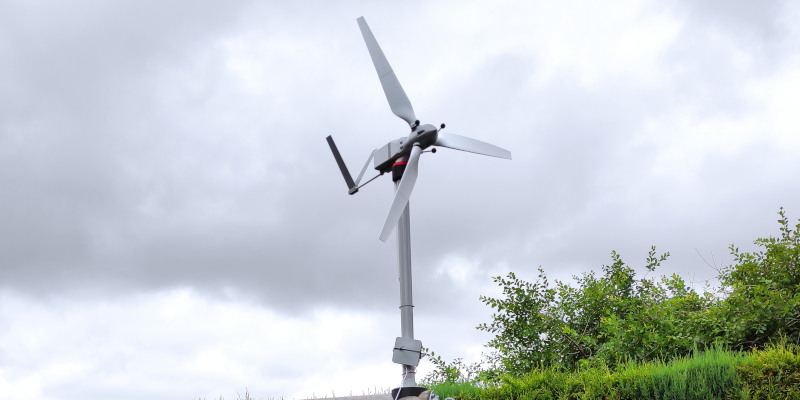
[763, 293]
[773, 373]
[613, 335]
[612, 318]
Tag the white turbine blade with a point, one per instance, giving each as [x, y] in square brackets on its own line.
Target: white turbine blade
[464, 143]
[403, 193]
[397, 98]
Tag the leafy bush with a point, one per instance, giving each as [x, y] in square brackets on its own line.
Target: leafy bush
[611, 318]
[615, 317]
[763, 293]
[611, 335]
[452, 373]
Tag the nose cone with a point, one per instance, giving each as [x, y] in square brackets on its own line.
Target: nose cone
[425, 135]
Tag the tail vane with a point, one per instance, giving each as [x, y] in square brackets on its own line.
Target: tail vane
[351, 186]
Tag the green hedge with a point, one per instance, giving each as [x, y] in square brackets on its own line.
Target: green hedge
[771, 373]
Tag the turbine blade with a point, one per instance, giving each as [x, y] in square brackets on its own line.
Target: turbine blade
[403, 193]
[464, 143]
[395, 94]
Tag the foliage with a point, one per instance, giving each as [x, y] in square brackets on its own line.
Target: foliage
[613, 317]
[708, 375]
[771, 373]
[613, 335]
[705, 375]
[609, 318]
[774, 373]
[763, 300]
[458, 372]
[455, 372]
[457, 390]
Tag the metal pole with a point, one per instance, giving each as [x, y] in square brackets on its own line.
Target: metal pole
[404, 274]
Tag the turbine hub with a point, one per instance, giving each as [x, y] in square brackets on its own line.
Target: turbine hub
[425, 135]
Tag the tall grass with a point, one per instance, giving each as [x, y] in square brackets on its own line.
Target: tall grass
[705, 375]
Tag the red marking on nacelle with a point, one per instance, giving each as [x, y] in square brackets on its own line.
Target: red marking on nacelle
[396, 163]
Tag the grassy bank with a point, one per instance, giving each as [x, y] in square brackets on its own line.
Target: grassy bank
[771, 373]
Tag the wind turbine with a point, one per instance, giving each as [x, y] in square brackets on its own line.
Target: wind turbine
[401, 157]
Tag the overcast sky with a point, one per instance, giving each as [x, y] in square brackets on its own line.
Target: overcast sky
[173, 225]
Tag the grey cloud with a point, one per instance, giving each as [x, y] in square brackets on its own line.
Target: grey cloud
[138, 162]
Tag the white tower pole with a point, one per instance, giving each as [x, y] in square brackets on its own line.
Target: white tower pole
[404, 274]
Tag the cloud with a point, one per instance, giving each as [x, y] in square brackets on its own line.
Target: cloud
[179, 343]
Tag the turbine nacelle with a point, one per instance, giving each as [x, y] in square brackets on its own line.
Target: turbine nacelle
[398, 149]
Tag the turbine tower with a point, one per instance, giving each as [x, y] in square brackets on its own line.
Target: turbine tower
[401, 158]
